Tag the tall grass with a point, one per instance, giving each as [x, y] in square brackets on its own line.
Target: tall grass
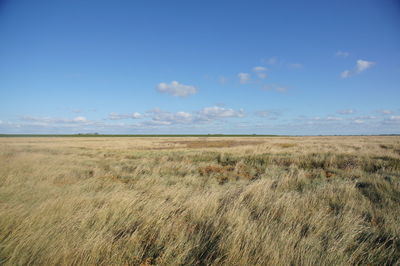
[299, 201]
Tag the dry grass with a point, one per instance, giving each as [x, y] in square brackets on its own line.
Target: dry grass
[204, 143]
[197, 201]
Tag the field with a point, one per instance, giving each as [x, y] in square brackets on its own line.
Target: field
[200, 201]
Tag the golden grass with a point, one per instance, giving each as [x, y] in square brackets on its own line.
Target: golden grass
[200, 201]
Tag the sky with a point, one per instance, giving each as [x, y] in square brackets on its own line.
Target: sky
[200, 67]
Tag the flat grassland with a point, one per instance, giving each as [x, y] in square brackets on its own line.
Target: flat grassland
[200, 201]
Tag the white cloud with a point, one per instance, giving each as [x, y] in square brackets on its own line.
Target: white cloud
[270, 114]
[176, 89]
[274, 87]
[79, 119]
[295, 65]
[244, 77]
[342, 54]
[223, 80]
[345, 74]
[262, 75]
[281, 89]
[165, 117]
[346, 111]
[211, 119]
[272, 60]
[385, 112]
[366, 117]
[334, 118]
[220, 112]
[361, 66]
[116, 116]
[208, 114]
[259, 69]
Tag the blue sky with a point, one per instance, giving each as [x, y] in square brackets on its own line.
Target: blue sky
[168, 67]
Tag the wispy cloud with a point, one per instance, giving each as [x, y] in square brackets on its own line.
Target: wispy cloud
[269, 114]
[366, 117]
[117, 116]
[346, 111]
[278, 62]
[161, 117]
[295, 65]
[260, 71]
[334, 118]
[244, 78]
[215, 112]
[209, 119]
[78, 119]
[223, 80]
[361, 66]
[205, 115]
[176, 89]
[385, 112]
[345, 74]
[274, 87]
[342, 54]
[271, 61]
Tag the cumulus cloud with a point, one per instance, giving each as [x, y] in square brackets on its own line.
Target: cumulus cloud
[361, 66]
[244, 78]
[342, 54]
[176, 89]
[346, 111]
[117, 116]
